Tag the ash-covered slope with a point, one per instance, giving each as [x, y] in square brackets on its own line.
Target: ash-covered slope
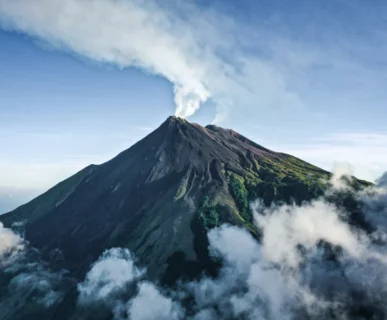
[159, 197]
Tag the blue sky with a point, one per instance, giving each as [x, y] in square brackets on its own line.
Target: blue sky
[82, 80]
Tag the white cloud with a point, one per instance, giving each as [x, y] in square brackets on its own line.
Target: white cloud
[223, 244]
[109, 275]
[287, 226]
[310, 262]
[150, 304]
[249, 285]
[9, 241]
[112, 277]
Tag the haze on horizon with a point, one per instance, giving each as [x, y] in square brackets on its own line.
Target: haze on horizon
[306, 78]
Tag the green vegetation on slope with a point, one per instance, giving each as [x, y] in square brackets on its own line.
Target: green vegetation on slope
[280, 178]
[240, 194]
[208, 215]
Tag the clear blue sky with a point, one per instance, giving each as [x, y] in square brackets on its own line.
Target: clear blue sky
[79, 82]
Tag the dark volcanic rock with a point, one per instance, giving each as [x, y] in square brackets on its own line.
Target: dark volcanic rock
[158, 199]
[149, 197]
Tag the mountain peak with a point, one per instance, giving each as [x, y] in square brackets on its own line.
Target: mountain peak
[175, 119]
[160, 197]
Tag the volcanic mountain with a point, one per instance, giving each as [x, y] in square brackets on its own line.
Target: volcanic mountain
[159, 197]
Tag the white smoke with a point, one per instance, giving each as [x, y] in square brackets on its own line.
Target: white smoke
[124, 33]
[197, 50]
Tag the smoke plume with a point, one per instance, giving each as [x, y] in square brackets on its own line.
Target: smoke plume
[197, 50]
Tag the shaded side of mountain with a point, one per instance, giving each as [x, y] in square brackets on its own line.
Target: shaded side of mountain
[161, 196]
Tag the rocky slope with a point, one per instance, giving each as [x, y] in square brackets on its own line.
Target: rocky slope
[159, 198]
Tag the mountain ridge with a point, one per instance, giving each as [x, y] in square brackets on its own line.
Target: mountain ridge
[159, 197]
[157, 200]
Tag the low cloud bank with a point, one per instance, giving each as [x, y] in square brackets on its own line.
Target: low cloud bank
[27, 280]
[311, 263]
[112, 277]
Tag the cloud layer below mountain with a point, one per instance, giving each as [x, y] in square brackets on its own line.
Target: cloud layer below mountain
[312, 262]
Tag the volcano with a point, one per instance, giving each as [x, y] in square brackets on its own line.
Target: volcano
[159, 197]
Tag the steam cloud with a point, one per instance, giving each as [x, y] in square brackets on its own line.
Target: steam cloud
[198, 51]
[132, 34]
